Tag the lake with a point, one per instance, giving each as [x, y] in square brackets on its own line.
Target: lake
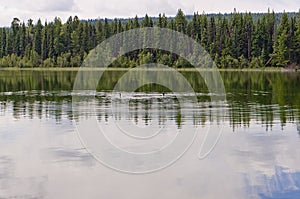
[254, 151]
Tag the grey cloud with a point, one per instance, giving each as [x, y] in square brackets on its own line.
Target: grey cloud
[140, 8]
[39, 5]
[57, 5]
[48, 9]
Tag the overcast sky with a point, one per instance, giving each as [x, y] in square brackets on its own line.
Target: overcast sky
[91, 9]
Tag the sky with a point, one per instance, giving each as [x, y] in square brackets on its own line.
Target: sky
[92, 9]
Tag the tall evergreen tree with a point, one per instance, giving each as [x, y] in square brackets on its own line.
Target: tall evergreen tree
[37, 43]
[22, 45]
[181, 21]
[3, 43]
[15, 36]
[281, 54]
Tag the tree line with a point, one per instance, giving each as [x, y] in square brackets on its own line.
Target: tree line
[238, 40]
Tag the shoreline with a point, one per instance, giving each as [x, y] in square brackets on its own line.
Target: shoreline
[75, 69]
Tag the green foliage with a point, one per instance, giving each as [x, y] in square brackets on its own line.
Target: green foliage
[145, 58]
[280, 56]
[49, 62]
[237, 40]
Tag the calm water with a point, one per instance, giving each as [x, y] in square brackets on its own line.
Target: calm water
[257, 155]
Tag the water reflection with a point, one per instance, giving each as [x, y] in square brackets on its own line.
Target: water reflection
[264, 97]
[145, 107]
[283, 184]
[257, 156]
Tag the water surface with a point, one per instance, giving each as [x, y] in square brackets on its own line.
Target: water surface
[257, 156]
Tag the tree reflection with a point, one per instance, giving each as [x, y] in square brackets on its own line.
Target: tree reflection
[259, 97]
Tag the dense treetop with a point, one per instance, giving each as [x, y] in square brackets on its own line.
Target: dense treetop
[236, 40]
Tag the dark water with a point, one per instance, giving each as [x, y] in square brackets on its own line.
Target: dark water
[257, 155]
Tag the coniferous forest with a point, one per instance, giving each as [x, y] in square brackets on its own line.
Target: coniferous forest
[236, 40]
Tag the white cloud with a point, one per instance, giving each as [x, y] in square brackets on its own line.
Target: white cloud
[246, 5]
[130, 8]
[38, 5]
[48, 9]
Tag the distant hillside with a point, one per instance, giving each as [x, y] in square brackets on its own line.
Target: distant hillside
[255, 17]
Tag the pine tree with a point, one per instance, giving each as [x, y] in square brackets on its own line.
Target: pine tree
[51, 40]
[212, 36]
[37, 43]
[204, 33]
[45, 47]
[249, 31]
[281, 54]
[22, 45]
[15, 36]
[145, 22]
[57, 39]
[67, 31]
[120, 27]
[3, 43]
[181, 21]
[75, 42]
[85, 37]
[136, 22]
[106, 30]
[296, 41]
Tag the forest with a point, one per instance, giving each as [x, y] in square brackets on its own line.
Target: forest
[236, 40]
